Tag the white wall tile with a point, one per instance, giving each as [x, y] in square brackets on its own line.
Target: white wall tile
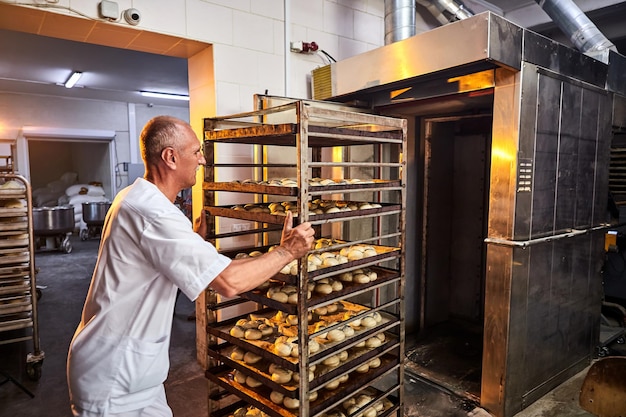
[209, 22]
[243, 5]
[375, 7]
[163, 16]
[338, 19]
[235, 65]
[308, 13]
[368, 28]
[258, 33]
[279, 37]
[227, 98]
[354, 4]
[271, 74]
[269, 8]
[350, 47]
[298, 33]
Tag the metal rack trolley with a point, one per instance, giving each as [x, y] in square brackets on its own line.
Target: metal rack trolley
[326, 140]
[18, 289]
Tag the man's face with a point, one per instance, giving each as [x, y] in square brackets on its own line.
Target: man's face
[191, 157]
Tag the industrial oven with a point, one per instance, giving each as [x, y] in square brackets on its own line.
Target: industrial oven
[508, 155]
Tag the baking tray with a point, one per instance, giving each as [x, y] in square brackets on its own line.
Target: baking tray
[384, 253]
[8, 193]
[13, 256]
[13, 212]
[17, 321]
[229, 211]
[14, 270]
[14, 286]
[293, 191]
[17, 223]
[13, 240]
[323, 374]
[385, 276]
[260, 397]
[15, 304]
[231, 409]
[263, 347]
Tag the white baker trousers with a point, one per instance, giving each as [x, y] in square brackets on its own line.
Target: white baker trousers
[158, 408]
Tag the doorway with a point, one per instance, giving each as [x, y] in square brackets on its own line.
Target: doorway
[454, 226]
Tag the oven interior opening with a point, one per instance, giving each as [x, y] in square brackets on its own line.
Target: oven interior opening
[447, 350]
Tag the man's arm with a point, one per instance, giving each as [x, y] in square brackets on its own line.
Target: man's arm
[248, 273]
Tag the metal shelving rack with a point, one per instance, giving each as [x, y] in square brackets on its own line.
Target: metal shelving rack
[18, 289]
[323, 141]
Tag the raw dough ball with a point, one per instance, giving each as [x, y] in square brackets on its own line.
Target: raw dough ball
[332, 385]
[240, 377]
[251, 382]
[291, 402]
[345, 277]
[363, 368]
[332, 308]
[282, 349]
[361, 278]
[348, 331]
[237, 331]
[253, 334]
[280, 296]
[266, 330]
[330, 262]
[368, 321]
[237, 354]
[331, 361]
[374, 363]
[336, 335]
[369, 252]
[251, 358]
[373, 342]
[281, 376]
[276, 397]
[313, 346]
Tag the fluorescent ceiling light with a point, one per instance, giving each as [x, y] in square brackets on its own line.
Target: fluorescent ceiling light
[73, 79]
[164, 95]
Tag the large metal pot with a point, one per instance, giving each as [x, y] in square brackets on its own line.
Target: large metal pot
[95, 212]
[49, 221]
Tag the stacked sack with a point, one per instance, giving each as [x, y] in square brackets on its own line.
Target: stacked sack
[78, 194]
[49, 195]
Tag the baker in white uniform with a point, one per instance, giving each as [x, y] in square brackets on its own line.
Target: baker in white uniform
[118, 358]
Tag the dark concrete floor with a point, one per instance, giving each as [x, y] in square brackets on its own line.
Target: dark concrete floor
[65, 278]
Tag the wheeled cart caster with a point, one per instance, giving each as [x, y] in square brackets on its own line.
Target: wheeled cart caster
[34, 363]
[66, 245]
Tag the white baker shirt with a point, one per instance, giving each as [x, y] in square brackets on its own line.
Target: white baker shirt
[119, 356]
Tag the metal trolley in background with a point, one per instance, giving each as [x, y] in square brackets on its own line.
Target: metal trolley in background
[18, 289]
[94, 214]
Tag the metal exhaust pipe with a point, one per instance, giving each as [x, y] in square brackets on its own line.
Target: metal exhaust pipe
[399, 20]
[583, 33]
[446, 11]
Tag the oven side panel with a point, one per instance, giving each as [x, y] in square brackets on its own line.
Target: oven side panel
[543, 288]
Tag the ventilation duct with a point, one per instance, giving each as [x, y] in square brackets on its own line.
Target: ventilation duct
[446, 11]
[399, 20]
[580, 29]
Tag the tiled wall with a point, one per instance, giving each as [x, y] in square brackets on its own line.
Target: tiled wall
[249, 42]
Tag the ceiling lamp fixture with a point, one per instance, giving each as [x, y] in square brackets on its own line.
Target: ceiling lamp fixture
[73, 79]
[164, 95]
